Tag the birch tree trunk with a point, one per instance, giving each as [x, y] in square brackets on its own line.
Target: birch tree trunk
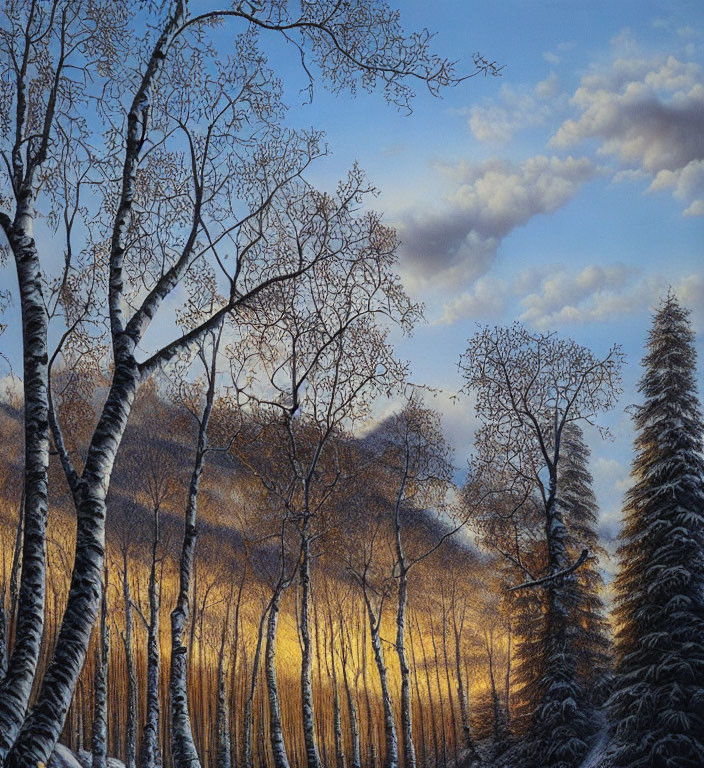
[337, 715]
[439, 687]
[132, 693]
[100, 704]
[389, 723]
[222, 716]
[247, 721]
[433, 720]
[421, 714]
[461, 691]
[183, 749]
[41, 728]
[453, 717]
[276, 734]
[16, 685]
[308, 711]
[371, 747]
[507, 691]
[151, 753]
[351, 707]
[409, 750]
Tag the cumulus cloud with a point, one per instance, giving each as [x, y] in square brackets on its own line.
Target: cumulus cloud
[650, 116]
[554, 57]
[562, 295]
[451, 247]
[485, 299]
[498, 120]
[599, 294]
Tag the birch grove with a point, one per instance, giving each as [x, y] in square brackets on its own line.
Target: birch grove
[234, 529]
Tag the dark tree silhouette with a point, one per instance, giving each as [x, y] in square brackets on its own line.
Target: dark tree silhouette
[658, 701]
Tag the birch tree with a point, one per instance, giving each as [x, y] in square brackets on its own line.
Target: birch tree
[185, 157]
[323, 360]
[418, 461]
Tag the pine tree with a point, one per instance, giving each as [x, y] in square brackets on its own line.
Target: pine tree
[585, 649]
[657, 706]
[577, 499]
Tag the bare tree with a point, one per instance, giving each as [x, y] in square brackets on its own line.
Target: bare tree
[183, 748]
[322, 360]
[418, 462]
[530, 388]
[100, 711]
[188, 171]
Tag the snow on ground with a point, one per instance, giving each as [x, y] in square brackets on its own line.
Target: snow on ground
[63, 757]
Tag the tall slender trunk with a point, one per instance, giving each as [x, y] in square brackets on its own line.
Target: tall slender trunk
[430, 694]
[276, 734]
[461, 690]
[409, 750]
[319, 659]
[16, 685]
[389, 723]
[234, 704]
[351, 707]
[183, 749]
[495, 704]
[453, 717]
[151, 753]
[308, 710]
[41, 728]
[507, 691]
[132, 691]
[437, 680]
[100, 703]
[222, 718]
[421, 714]
[371, 746]
[247, 721]
[337, 714]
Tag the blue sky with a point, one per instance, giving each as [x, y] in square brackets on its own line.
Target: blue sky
[567, 193]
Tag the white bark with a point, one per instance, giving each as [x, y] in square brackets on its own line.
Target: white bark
[16, 685]
[151, 753]
[100, 704]
[247, 719]
[308, 712]
[132, 692]
[389, 723]
[276, 734]
[183, 749]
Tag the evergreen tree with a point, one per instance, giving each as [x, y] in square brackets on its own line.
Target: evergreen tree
[657, 706]
[585, 649]
[576, 497]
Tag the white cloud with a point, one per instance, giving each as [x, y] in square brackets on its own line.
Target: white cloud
[567, 298]
[454, 245]
[497, 121]
[601, 294]
[486, 298]
[650, 116]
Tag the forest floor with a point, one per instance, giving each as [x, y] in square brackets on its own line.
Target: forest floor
[597, 757]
